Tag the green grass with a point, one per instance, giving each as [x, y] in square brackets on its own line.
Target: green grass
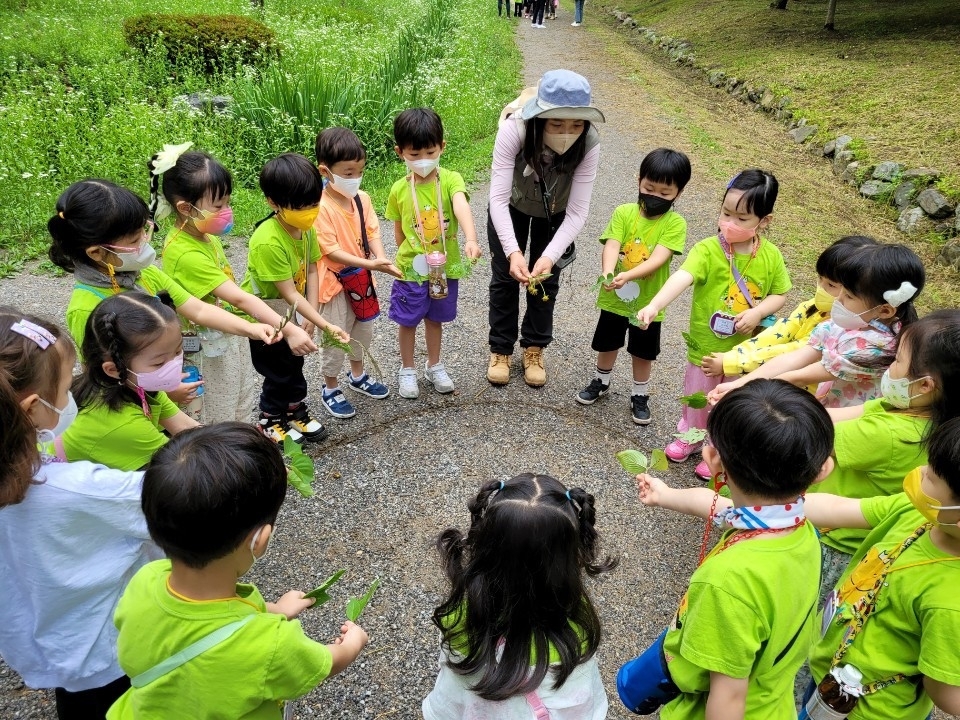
[888, 75]
[72, 108]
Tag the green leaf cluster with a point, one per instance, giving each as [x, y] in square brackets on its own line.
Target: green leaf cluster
[320, 592]
[300, 467]
[356, 605]
[692, 436]
[636, 463]
[696, 401]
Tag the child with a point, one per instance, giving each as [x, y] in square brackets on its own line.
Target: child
[211, 499]
[879, 442]
[745, 624]
[530, 541]
[350, 247]
[793, 331]
[71, 534]
[134, 353]
[427, 206]
[738, 278]
[639, 242]
[848, 355]
[895, 613]
[101, 233]
[282, 269]
[196, 189]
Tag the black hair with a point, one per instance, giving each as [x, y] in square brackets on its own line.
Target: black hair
[517, 577]
[772, 437]
[338, 144]
[831, 258]
[934, 343]
[209, 487]
[119, 328]
[667, 166]
[291, 181]
[872, 271]
[25, 368]
[943, 454]
[194, 175]
[533, 147]
[760, 189]
[417, 128]
[89, 213]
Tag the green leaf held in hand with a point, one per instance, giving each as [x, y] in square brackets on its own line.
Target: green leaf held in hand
[692, 436]
[633, 461]
[300, 467]
[696, 401]
[320, 593]
[658, 460]
[356, 605]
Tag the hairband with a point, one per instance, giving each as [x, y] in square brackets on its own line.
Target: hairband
[733, 180]
[573, 502]
[502, 486]
[902, 294]
[40, 335]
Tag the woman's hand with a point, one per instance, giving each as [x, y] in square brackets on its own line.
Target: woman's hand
[712, 364]
[541, 266]
[518, 268]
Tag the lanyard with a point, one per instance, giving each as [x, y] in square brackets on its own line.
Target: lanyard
[418, 227]
[646, 238]
[300, 279]
[735, 274]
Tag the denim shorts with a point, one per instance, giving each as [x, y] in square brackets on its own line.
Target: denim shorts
[410, 303]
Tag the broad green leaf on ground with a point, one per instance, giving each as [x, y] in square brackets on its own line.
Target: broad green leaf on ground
[356, 605]
[320, 592]
[633, 461]
[696, 401]
[658, 460]
[692, 436]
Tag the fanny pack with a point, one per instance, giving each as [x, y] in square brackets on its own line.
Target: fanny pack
[357, 282]
[644, 683]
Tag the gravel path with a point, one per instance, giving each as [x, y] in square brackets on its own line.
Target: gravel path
[400, 471]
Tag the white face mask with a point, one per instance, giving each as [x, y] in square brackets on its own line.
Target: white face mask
[67, 415]
[560, 142]
[253, 544]
[847, 319]
[896, 391]
[136, 261]
[422, 167]
[348, 187]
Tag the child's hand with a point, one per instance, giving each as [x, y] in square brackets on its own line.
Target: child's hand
[651, 490]
[291, 604]
[712, 364]
[266, 333]
[339, 332]
[472, 248]
[746, 321]
[352, 634]
[619, 280]
[186, 392]
[300, 341]
[385, 265]
[646, 316]
[714, 396]
[308, 327]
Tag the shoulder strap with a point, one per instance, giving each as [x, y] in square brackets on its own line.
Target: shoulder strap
[91, 289]
[540, 711]
[363, 226]
[189, 653]
[803, 623]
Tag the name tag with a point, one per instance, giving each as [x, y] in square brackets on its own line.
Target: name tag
[723, 325]
[191, 344]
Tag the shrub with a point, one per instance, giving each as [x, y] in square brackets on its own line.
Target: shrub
[217, 42]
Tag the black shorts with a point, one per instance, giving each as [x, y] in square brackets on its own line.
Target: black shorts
[643, 344]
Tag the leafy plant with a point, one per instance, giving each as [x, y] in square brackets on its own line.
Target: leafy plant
[356, 605]
[692, 436]
[692, 344]
[601, 281]
[328, 339]
[300, 467]
[636, 463]
[535, 285]
[320, 592]
[696, 401]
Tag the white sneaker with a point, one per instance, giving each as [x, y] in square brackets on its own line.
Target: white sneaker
[409, 388]
[574, 24]
[437, 376]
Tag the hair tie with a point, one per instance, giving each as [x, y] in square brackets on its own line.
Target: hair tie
[573, 502]
[502, 486]
[60, 214]
[902, 294]
[568, 496]
[40, 335]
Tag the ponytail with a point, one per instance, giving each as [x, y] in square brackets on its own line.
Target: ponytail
[583, 503]
[187, 176]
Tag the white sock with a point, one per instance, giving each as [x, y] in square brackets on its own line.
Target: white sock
[641, 388]
[604, 376]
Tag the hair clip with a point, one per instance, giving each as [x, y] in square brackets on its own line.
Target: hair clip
[60, 215]
[733, 180]
[902, 294]
[40, 335]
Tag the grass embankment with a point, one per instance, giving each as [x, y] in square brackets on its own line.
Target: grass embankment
[76, 102]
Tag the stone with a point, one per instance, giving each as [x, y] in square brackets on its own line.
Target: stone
[934, 203]
[903, 195]
[950, 254]
[888, 171]
[754, 94]
[910, 220]
[829, 148]
[768, 99]
[202, 102]
[841, 158]
[876, 189]
[850, 172]
[944, 227]
[842, 142]
[732, 84]
[717, 78]
[803, 133]
[922, 174]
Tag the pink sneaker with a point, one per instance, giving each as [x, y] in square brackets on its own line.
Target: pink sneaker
[678, 450]
[703, 471]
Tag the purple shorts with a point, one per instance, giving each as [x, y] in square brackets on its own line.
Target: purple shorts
[410, 303]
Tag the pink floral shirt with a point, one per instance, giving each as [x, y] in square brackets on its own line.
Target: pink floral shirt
[856, 358]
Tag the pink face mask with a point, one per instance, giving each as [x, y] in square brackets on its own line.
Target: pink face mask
[734, 233]
[218, 223]
[166, 377]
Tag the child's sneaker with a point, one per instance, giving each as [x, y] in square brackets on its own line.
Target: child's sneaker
[437, 376]
[303, 422]
[641, 411]
[366, 385]
[275, 427]
[678, 450]
[592, 392]
[336, 404]
[703, 471]
[409, 388]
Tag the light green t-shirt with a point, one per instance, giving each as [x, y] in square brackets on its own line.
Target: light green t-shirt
[638, 236]
[400, 207]
[85, 298]
[246, 677]
[274, 256]
[874, 453]
[916, 623]
[714, 289]
[745, 607]
[123, 439]
[200, 266]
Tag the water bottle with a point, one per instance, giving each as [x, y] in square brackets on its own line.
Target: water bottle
[836, 695]
[194, 408]
[437, 274]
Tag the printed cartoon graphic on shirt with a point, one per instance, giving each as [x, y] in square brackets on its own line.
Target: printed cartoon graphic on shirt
[853, 596]
[632, 254]
[431, 226]
[734, 299]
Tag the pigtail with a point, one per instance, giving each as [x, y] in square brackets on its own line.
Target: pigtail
[60, 231]
[164, 297]
[19, 457]
[478, 506]
[583, 503]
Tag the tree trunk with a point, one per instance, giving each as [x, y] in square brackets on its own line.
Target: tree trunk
[831, 14]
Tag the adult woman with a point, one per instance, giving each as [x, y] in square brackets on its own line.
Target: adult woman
[544, 164]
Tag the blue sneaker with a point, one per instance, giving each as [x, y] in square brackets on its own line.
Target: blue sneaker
[366, 385]
[336, 404]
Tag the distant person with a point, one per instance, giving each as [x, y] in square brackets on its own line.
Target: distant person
[577, 13]
[536, 14]
[500, 4]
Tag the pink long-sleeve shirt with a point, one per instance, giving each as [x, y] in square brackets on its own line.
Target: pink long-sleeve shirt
[505, 149]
